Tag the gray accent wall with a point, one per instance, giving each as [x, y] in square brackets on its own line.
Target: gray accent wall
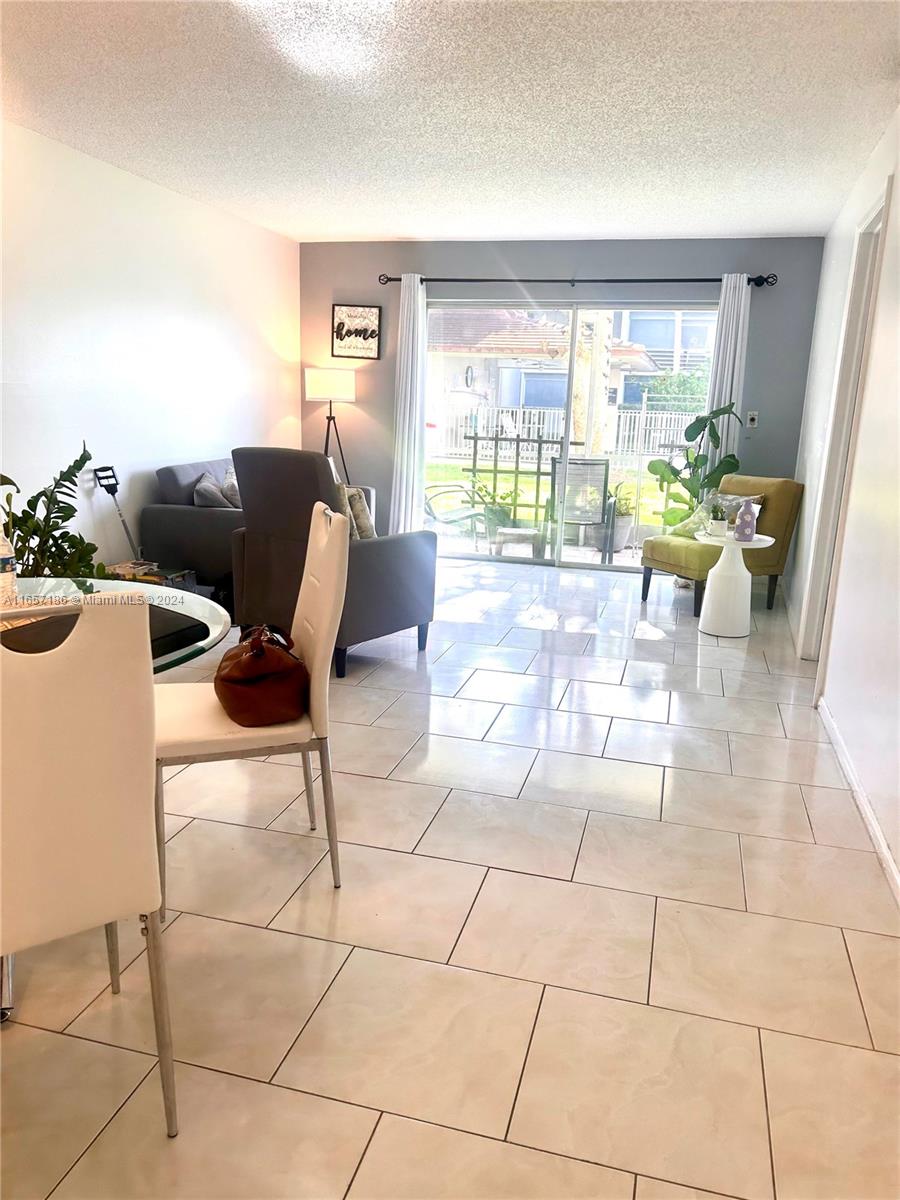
[781, 321]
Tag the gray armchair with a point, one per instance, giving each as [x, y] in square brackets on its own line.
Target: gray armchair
[390, 580]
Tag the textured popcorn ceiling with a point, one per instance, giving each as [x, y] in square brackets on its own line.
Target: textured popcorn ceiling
[371, 119]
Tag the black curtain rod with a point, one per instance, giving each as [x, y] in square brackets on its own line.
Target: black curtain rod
[757, 280]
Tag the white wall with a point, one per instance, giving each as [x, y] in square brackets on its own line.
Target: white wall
[803, 582]
[862, 655]
[155, 328]
[862, 680]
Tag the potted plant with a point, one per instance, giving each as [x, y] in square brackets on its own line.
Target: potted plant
[624, 518]
[41, 542]
[718, 520]
[498, 507]
[685, 470]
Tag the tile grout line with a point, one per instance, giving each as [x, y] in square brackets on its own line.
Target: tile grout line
[313, 1012]
[740, 841]
[762, 1067]
[428, 825]
[106, 1124]
[466, 921]
[587, 817]
[363, 1155]
[652, 947]
[815, 841]
[325, 853]
[537, 1013]
[862, 1002]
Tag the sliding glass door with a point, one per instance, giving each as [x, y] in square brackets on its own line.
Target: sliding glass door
[541, 422]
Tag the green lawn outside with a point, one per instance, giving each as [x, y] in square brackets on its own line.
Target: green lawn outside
[457, 471]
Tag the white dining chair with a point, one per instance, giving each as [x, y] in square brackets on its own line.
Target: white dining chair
[77, 796]
[192, 726]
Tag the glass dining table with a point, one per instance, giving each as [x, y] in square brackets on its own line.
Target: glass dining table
[183, 625]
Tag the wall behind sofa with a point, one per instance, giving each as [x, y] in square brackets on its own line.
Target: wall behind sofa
[781, 321]
[155, 328]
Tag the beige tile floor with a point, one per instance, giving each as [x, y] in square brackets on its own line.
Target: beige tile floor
[611, 927]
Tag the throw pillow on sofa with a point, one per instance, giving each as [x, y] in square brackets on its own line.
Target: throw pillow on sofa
[208, 493]
[343, 507]
[230, 488]
[362, 518]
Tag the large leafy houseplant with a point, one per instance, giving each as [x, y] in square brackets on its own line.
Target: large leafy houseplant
[40, 540]
[686, 475]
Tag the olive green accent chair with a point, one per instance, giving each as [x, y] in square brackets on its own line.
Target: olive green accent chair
[692, 560]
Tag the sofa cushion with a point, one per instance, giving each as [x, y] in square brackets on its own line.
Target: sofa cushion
[176, 484]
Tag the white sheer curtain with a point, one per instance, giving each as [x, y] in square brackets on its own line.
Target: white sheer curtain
[726, 383]
[409, 415]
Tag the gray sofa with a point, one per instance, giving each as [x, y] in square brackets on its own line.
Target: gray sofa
[175, 532]
[390, 580]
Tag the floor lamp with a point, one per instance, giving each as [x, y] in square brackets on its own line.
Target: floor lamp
[333, 385]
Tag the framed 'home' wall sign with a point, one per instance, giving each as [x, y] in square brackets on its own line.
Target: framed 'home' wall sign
[355, 331]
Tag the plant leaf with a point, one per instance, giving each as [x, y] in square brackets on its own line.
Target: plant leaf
[696, 428]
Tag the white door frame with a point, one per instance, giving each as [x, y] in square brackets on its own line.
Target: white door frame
[812, 634]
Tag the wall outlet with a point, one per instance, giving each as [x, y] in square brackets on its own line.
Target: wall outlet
[752, 420]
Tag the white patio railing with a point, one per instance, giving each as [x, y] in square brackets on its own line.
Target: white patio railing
[648, 432]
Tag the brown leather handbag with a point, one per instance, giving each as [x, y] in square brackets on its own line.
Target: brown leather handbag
[259, 681]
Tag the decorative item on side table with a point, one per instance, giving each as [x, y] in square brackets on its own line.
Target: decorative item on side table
[718, 521]
[355, 331]
[331, 384]
[745, 522]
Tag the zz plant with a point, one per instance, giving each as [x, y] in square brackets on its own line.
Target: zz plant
[685, 476]
[40, 540]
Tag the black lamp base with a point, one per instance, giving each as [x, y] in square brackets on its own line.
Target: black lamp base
[331, 423]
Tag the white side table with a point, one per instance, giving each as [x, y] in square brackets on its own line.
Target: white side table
[726, 600]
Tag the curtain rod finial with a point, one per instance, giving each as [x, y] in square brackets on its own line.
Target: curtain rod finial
[383, 279]
[763, 280]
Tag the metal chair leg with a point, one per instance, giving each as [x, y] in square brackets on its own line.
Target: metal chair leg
[112, 954]
[7, 970]
[308, 786]
[156, 962]
[161, 839]
[330, 819]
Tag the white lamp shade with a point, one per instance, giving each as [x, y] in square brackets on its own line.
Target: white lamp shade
[329, 383]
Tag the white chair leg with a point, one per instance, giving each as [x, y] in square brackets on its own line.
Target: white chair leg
[330, 819]
[308, 785]
[112, 954]
[161, 839]
[159, 992]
